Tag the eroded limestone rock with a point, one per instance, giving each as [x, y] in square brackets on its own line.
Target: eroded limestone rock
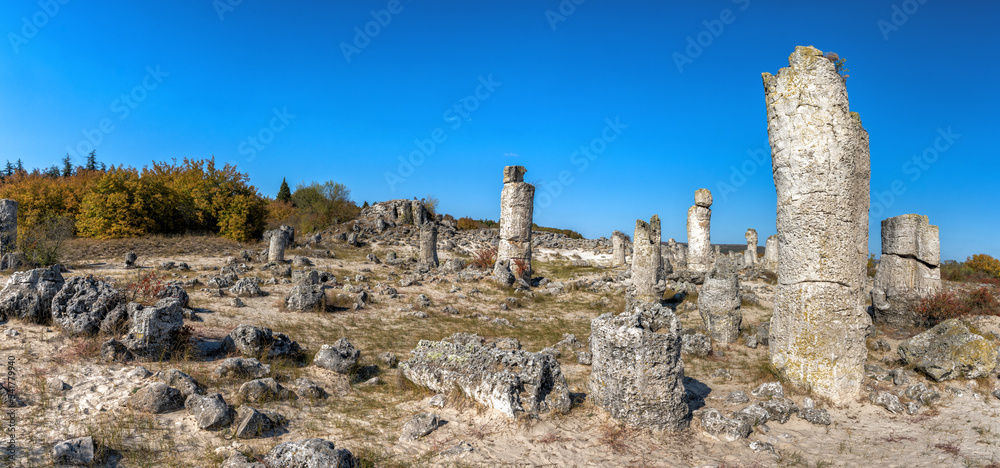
[517, 202]
[771, 254]
[512, 382]
[428, 244]
[647, 263]
[750, 256]
[821, 172]
[637, 375]
[699, 255]
[908, 270]
[719, 302]
[618, 244]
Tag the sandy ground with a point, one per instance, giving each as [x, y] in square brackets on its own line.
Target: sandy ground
[962, 429]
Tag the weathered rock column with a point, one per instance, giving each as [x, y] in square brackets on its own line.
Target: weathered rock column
[822, 173]
[618, 242]
[279, 240]
[517, 202]
[8, 226]
[750, 256]
[647, 264]
[771, 254]
[909, 270]
[419, 212]
[678, 254]
[637, 374]
[428, 244]
[699, 256]
[719, 302]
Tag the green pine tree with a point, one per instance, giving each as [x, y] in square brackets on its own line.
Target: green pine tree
[67, 169]
[284, 193]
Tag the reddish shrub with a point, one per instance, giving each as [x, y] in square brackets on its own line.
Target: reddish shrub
[948, 305]
[484, 259]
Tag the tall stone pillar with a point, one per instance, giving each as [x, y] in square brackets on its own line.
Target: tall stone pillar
[699, 256]
[822, 173]
[618, 242]
[647, 264]
[8, 226]
[750, 256]
[771, 254]
[909, 270]
[517, 202]
[719, 302]
[428, 244]
[278, 241]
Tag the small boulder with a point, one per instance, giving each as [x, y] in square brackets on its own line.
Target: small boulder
[696, 344]
[157, 398]
[252, 423]
[888, 401]
[949, 351]
[246, 287]
[253, 341]
[28, 294]
[306, 388]
[74, 452]
[419, 426]
[723, 428]
[341, 357]
[210, 411]
[306, 298]
[82, 303]
[817, 416]
[181, 381]
[262, 391]
[310, 453]
[245, 368]
[155, 330]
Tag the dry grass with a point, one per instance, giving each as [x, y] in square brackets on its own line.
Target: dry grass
[82, 250]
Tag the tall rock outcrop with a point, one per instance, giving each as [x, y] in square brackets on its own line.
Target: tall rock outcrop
[719, 302]
[647, 264]
[8, 226]
[428, 244]
[750, 256]
[618, 247]
[822, 172]
[699, 254]
[517, 202]
[771, 254]
[909, 270]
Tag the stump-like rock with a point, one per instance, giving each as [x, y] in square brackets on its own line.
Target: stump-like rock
[636, 371]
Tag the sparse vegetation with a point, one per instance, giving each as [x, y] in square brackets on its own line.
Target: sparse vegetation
[957, 304]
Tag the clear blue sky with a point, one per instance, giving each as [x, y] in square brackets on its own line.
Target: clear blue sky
[291, 89]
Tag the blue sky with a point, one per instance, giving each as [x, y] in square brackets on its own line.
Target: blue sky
[348, 91]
